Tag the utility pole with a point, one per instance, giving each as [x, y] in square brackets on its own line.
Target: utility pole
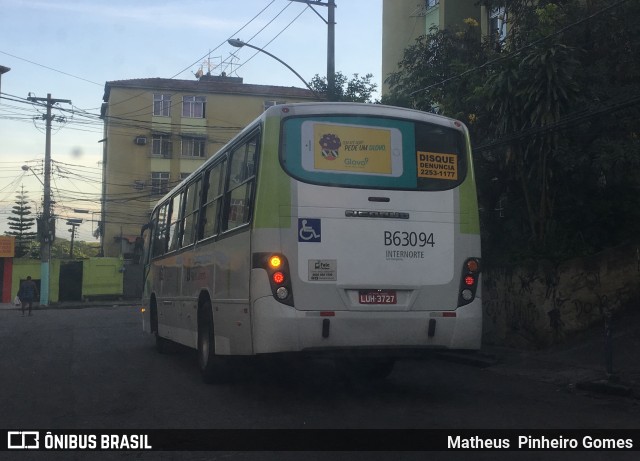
[331, 42]
[74, 223]
[331, 50]
[47, 224]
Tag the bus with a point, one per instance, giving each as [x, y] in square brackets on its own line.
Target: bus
[344, 230]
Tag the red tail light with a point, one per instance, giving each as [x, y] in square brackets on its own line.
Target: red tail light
[277, 268]
[469, 281]
[278, 278]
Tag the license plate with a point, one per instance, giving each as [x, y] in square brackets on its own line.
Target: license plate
[378, 297]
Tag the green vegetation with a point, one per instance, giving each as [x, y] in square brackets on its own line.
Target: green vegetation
[61, 249]
[553, 112]
[21, 224]
[356, 89]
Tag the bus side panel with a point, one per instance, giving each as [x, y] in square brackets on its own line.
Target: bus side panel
[274, 186]
[231, 309]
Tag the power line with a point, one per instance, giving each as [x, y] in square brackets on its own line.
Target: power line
[200, 59]
[50, 68]
[569, 120]
[276, 36]
[225, 41]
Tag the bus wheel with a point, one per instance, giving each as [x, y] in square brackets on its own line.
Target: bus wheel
[214, 368]
[366, 367]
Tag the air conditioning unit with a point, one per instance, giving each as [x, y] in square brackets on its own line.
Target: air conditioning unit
[140, 140]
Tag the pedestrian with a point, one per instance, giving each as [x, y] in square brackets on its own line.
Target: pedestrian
[28, 293]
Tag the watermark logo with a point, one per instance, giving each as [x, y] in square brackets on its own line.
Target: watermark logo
[23, 440]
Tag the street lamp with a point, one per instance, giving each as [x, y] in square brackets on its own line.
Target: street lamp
[28, 168]
[239, 44]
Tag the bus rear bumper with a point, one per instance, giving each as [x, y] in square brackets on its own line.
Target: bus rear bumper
[280, 328]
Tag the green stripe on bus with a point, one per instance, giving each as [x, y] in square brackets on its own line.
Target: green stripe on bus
[274, 186]
[469, 217]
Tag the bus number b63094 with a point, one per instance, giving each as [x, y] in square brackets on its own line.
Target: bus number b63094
[408, 239]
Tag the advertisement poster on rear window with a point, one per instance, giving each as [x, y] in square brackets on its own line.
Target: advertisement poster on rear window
[352, 149]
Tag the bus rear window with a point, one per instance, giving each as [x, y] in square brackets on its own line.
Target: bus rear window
[373, 152]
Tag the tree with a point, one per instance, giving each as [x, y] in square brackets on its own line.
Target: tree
[553, 115]
[531, 96]
[358, 89]
[81, 249]
[21, 224]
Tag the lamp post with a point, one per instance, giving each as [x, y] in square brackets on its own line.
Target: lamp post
[239, 44]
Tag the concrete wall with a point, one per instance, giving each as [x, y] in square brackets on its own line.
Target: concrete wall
[24, 267]
[542, 304]
[403, 21]
[102, 277]
[400, 28]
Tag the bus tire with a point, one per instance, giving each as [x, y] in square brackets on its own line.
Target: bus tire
[213, 368]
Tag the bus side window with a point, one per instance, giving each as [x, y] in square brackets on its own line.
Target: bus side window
[160, 231]
[241, 183]
[174, 224]
[192, 205]
[214, 190]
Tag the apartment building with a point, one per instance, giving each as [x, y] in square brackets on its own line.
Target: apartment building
[403, 21]
[157, 131]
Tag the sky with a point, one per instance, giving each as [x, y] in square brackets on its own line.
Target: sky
[70, 48]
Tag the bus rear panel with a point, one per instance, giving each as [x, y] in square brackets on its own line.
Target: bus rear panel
[372, 216]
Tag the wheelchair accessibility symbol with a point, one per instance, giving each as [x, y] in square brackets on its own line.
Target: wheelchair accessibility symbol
[309, 230]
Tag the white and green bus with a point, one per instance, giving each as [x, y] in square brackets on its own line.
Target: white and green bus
[339, 229]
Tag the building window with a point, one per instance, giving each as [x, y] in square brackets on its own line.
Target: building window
[498, 24]
[193, 147]
[161, 145]
[159, 183]
[162, 105]
[193, 106]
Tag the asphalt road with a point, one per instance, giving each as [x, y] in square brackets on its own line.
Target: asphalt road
[95, 368]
